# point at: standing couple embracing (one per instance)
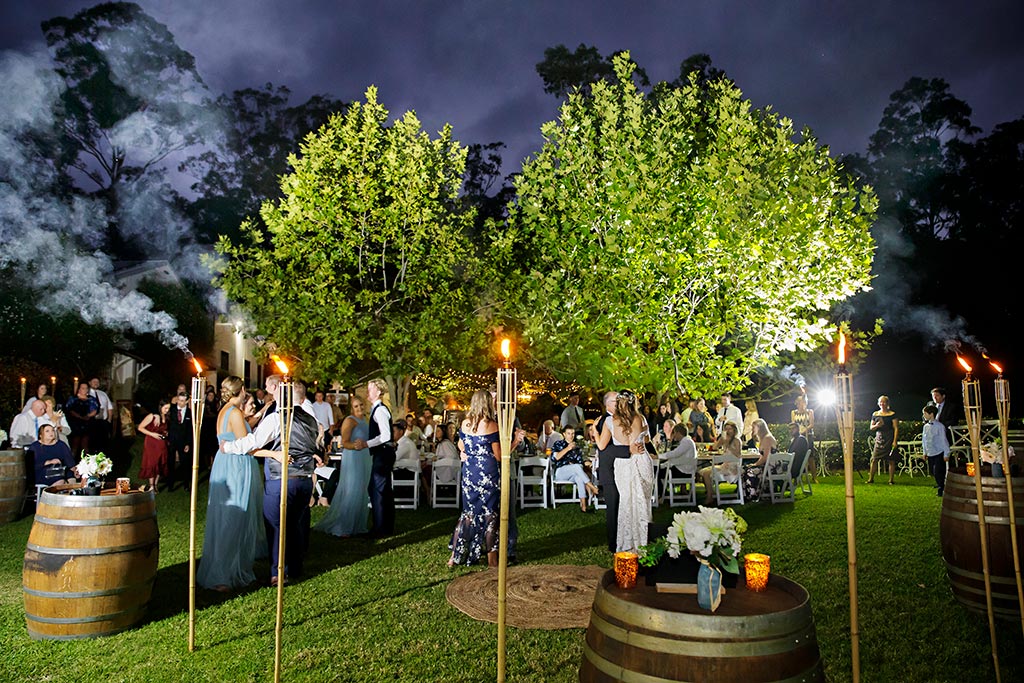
(625, 470)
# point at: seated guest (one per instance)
(728, 444)
(683, 455)
(56, 417)
(406, 448)
(25, 427)
(52, 457)
(547, 437)
(665, 438)
(427, 426)
(567, 466)
(413, 428)
(699, 417)
(766, 445)
(798, 447)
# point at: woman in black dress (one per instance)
(886, 427)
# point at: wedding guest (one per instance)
(548, 436)
(947, 413)
(799, 447)
(41, 391)
(804, 417)
(382, 448)
(322, 411)
(683, 456)
(728, 444)
(567, 466)
(25, 426)
(154, 448)
(886, 427)
(700, 417)
(935, 446)
(102, 425)
(208, 444)
(179, 443)
(56, 417)
(607, 453)
(81, 409)
(572, 415)
(348, 513)
(752, 474)
(476, 532)
(728, 412)
(51, 456)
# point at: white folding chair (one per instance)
(407, 490)
(446, 483)
(777, 478)
(676, 479)
(728, 462)
(599, 503)
(568, 487)
(801, 477)
(533, 472)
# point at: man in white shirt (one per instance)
(548, 436)
(572, 416)
(729, 412)
(322, 411)
(100, 427)
(382, 449)
(25, 427)
(106, 407)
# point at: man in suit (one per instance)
(606, 473)
(179, 443)
(946, 411)
(382, 448)
(799, 447)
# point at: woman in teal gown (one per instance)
(348, 515)
(235, 535)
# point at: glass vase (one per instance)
(709, 586)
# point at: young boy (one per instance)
(935, 446)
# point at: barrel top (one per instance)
(54, 495)
(782, 595)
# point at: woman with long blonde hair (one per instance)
(634, 474)
(234, 535)
(476, 532)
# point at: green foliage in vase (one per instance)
(367, 267)
(679, 242)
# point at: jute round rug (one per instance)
(545, 596)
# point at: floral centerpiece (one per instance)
(94, 467)
(713, 537)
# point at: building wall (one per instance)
(231, 351)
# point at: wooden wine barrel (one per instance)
(642, 635)
(89, 564)
(961, 544)
(12, 484)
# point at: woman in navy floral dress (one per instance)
(476, 532)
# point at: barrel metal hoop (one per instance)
(94, 522)
(704, 648)
(1007, 580)
(87, 594)
(989, 502)
(84, 620)
(13, 500)
(36, 635)
(989, 519)
(700, 625)
(92, 551)
(123, 500)
(618, 673)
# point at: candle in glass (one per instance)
(757, 566)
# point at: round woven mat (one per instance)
(545, 596)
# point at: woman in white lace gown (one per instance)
(634, 476)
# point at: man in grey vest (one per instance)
(304, 455)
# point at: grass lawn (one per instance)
(376, 611)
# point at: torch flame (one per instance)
(199, 368)
(996, 366)
(506, 349)
(842, 348)
(281, 365)
(964, 364)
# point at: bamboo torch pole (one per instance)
(972, 411)
(1003, 406)
(844, 421)
(197, 404)
(506, 423)
(286, 408)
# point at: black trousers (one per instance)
(382, 496)
(606, 478)
(937, 466)
(297, 540)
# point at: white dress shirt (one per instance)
(683, 457)
(323, 414)
(106, 407)
(383, 420)
(25, 429)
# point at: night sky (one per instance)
(827, 65)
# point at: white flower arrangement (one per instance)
(97, 465)
(713, 535)
(992, 452)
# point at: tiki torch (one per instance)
(285, 408)
(844, 420)
(1003, 406)
(506, 422)
(972, 411)
(196, 404)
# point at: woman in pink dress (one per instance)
(154, 449)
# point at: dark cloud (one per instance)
(827, 65)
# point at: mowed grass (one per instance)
(376, 611)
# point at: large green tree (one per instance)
(677, 243)
(367, 267)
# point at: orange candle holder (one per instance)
(627, 565)
(757, 567)
(970, 469)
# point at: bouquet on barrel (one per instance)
(713, 537)
(93, 468)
